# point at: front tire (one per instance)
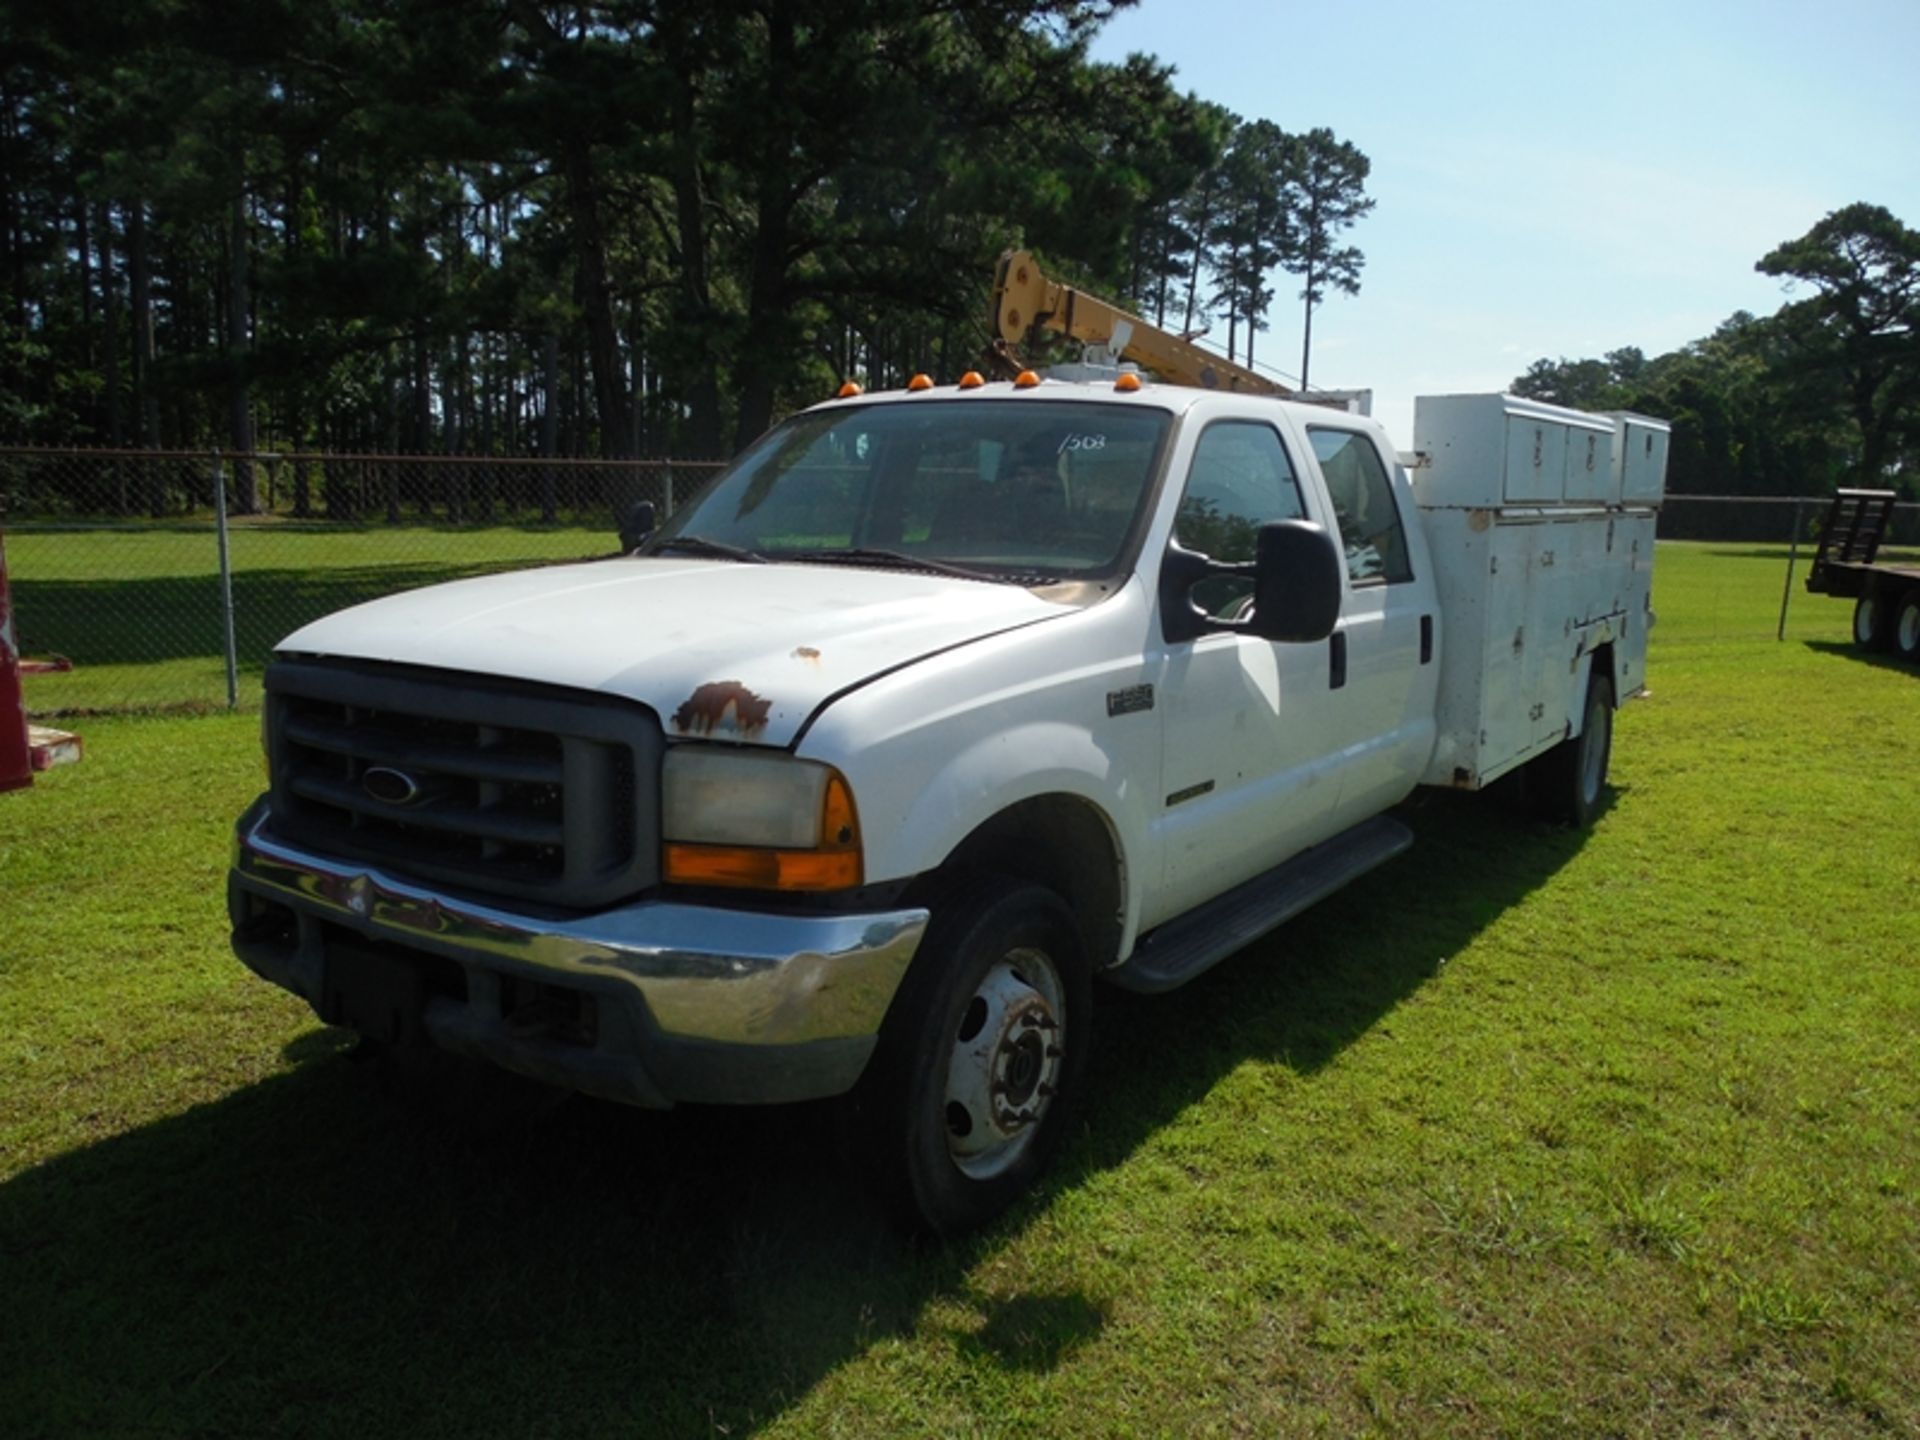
(973, 1087)
(1906, 626)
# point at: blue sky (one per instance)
(1557, 181)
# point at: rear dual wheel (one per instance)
(1872, 622)
(1906, 626)
(1567, 783)
(973, 1087)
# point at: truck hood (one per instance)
(717, 649)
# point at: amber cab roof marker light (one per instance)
(972, 380)
(1026, 380)
(849, 390)
(1128, 382)
(920, 382)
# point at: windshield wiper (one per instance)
(868, 555)
(700, 545)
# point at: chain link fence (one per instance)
(111, 486)
(1769, 520)
(1745, 578)
(164, 579)
(117, 556)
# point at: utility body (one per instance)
(933, 708)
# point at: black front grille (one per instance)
(499, 788)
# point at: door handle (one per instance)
(1337, 660)
(1426, 639)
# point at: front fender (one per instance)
(934, 752)
(979, 782)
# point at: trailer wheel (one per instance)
(1871, 622)
(978, 1071)
(1566, 784)
(1906, 626)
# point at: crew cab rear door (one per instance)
(1383, 655)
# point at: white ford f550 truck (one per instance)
(933, 708)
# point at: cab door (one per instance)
(1384, 653)
(1251, 750)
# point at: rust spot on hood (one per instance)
(807, 653)
(722, 705)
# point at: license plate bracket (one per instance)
(373, 991)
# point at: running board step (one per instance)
(1195, 942)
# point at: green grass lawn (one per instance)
(1527, 1133)
(139, 610)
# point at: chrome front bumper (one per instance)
(691, 1002)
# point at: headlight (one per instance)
(765, 822)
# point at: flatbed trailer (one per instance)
(1886, 610)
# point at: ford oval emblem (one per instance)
(390, 786)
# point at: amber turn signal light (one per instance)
(834, 863)
(739, 867)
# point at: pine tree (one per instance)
(1326, 188)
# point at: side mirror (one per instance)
(1296, 583)
(638, 525)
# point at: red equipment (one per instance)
(16, 755)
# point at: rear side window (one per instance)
(1363, 506)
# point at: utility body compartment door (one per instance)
(1536, 460)
(1512, 656)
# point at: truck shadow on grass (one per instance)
(1879, 659)
(301, 1256)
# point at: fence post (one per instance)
(1793, 553)
(668, 510)
(226, 582)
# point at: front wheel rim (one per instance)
(1003, 1073)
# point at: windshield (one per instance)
(1009, 489)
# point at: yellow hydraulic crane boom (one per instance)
(1023, 297)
